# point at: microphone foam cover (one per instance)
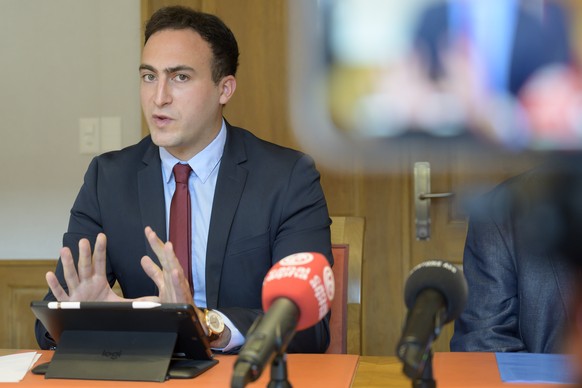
(307, 280)
(443, 277)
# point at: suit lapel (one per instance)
(229, 187)
(151, 197)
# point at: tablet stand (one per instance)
(120, 355)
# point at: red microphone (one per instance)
(307, 280)
(297, 293)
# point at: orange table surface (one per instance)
(304, 370)
(451, 370)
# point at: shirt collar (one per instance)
(203, 163)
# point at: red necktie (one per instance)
(180, 220)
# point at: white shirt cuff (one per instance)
(236, 338)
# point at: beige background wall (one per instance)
(61, 60)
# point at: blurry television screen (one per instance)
(498, 72)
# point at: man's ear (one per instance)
(227, 87)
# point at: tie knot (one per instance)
(182, 172)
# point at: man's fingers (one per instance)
(164, 251)
(172, 262)
(56, 287)
(87, 280)
(156, 244)
(100, 255)
(181, 287)
(84, 265)
(153, 271)
(171, 284)
(169, 279)
(69, 270)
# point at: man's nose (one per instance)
(163, 95)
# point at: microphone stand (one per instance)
(279, 372)
(426, 379)
(279, 364)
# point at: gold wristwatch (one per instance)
(214, 323)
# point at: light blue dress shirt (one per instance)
(202, 182)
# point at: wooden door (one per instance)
(465, 172)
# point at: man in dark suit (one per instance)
(253, 202)
(519, 285)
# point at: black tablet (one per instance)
(140, 341)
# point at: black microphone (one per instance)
(435, 294)
(297, 293)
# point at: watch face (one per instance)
(214, 322)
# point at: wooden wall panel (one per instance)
(260, 103)
(21, 324)
(383, 265)
(21, 281)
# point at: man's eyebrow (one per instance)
(175, 69)
(168, 70)
(147, 67)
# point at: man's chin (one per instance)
(162, 141)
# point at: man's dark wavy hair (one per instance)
(213, 30)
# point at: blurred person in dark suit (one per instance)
(518, 294)
(520, 287)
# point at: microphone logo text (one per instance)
(320, 294)
(301, 273)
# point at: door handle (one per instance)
(422, 198)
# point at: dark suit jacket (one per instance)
(537, 42)
(519, 285)
(268, 204)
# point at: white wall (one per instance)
(60, 60)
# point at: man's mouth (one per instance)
(161, 120)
